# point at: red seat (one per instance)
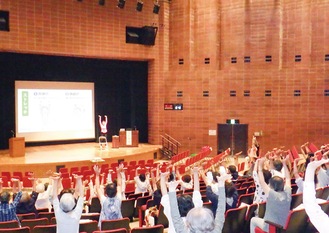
(7, 174)
(5, 181)
(27, 183)
(16, 230)
(18, 174)
(154, 229)
(73, 170)
(63, 170)
(67, 183)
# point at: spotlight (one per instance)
(139, 6)
(101, 2)
(156, 8)
(121, 4)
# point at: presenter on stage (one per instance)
(103, 125)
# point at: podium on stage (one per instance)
(129, 138)
(115, 141)
(17, 147)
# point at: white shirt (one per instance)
(197, 201)
(68, 222)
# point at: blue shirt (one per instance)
(8, 211)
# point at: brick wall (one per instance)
(253, 47)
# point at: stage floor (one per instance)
(43, 158)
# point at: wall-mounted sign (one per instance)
(171, 106)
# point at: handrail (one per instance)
(170, 145)
(168, 141)
(173, 139)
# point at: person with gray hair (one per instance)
(67, 211)
(199, 219)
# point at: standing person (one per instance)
(103, 128)
(8, 210)
(103, 125)
(255, 143)
(67, 211)
(278, 198)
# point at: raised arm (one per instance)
(175, 216)
(79, 188)
(99, 191)
(196, 181)
(295, 169)
(55, 180)
(221, 206)
(286, 170)
(262, 182)
(99, 120)
(154, 185)
(318, 218)
(119, 180)
(163, 185)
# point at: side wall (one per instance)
(230, 33)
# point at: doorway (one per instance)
(234, 136)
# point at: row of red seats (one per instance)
(179, 157)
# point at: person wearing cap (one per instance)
(67, 211)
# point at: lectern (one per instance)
(129, 138)
(17, 147)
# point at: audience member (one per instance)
(142, 182)
(260, 195)
(27, 202)
(67, 210)
(231, 194)
(199, 219)
(186, 202)
(44, 191)
(111, 199)
(7, 209)
(278, 201)
(185, 181)
(319, 219)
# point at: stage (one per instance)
(40, 159)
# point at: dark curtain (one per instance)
(120, 88)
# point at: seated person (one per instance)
(278, 201)
(7, 209)
(231, 193)
(231, 169)
(142, 182)
(187, 202)
(43, 201)
(318, 218)
(185, 181)
(67, 210)
(27, 203)
(199, 219)
(260, 195)
(111, 199)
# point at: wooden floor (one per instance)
(40, 159)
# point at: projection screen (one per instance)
(54, 111)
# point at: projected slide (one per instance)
(49, 111)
